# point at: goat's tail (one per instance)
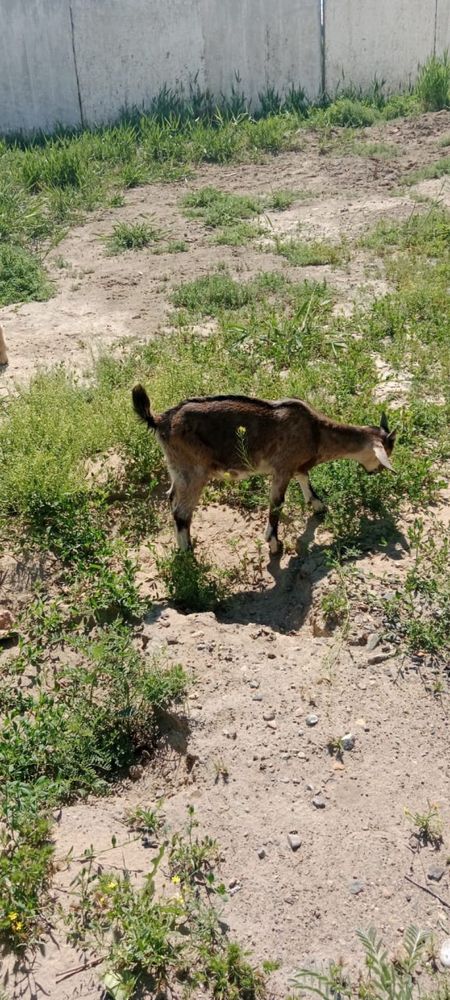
(141, 405)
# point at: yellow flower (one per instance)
(12, 916)
(18, 926)
(241, 430)
(112, 885)
(176, 879)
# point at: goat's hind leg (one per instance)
(310, 494)
(277, 495)
(184, 494)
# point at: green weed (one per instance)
(211, 294)
(191, 583)
(132, 236)
(311, 253)
(428, 825)
(22, 277)
(433, 84)
(385, 978)
(432, 171)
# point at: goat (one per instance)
(3, 354)
(203, 438)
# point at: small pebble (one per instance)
(372, 641)
(319, 802)
(444, 953)
(312, 720)
(356, 887)
(261, 853)
(294, 841)
(348, 741)
(135, 772)
(435, 874)
(268, 714)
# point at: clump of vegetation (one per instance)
(428, 825)
(228, 212)
(70, 734)
(420, 611)
(191, 582)
(22, 277)
(433, 84)
(132, 236)
(311, 253)
(154, 941)
(211, 294)
(385, 977)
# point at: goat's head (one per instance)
(381, 440)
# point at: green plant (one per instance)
(132, 236)
(312, 253)
(210, 294)
(146, 821)
(433, 83)
(191, 583)
(22, 277)
(384, 980)
(428, 825)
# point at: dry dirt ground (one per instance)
(244, 755)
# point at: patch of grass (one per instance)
(427, 232)
(310, 253)
(210, 294)
(433, 84)
(176, 246)
(382, 150)
(346, 112)
(385, 976)
(158, 941)
(420, 611)
(70, 734)
(132, 236)
(428, 825)
(228, 212)
(238, 235)
(22, 277)
(432, 171)
(191, 583)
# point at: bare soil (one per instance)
(244, 755)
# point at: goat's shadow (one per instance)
(285, 606)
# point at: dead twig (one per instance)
(429, 891)
(78, 968)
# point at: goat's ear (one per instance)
(384, 423)
(382, 456)
(392, 436)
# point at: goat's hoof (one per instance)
(274, 546)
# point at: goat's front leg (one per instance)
(310, 494)
(277, 495)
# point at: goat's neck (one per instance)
(340, 441)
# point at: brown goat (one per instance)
(3, 354)
(206, 437)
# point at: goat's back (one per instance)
(239, 433)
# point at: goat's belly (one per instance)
(262, 469)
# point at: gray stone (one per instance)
(436, 873)
(372, 641)
(356, 887)
(268, 714)
(312, 720)
(444, 953)
(294, 841)
(319, 802)
(261, 853)
(348, 741)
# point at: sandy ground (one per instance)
(244, 754)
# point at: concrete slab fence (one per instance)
(82, 62)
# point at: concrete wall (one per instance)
(442, 27)
(83, 61)
(38, 85)
(272, 43)
(386, 39)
